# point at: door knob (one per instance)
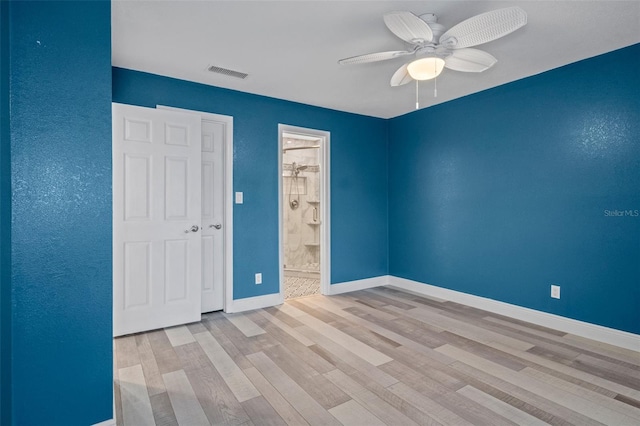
(217, 226)
(194, 228)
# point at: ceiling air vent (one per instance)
(225, 71)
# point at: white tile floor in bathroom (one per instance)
(300, 287)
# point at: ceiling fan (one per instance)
(433, 48)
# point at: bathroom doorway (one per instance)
(303, 189)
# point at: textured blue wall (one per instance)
(502, 193)
(61, 231)
(358, 175)
(5, 221)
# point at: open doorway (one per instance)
(304, 212)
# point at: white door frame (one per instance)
(325, 204)
(228, 197)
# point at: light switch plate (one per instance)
(259, 278)
(239, 197)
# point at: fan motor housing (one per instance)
(432, 20)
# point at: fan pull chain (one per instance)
(417, 98)
(435, 87)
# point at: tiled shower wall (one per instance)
(301, 236)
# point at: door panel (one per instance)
(157, 202)
(216, 134)
(176, 265)
(207, 189)
(207, 271)
(137, 173)
(213, 134)
(176, 189)
(137, 274)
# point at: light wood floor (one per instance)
(372, 357)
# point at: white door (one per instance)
(213, 142)
(156, 222)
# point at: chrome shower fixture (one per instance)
(297, 169)
(294, 203)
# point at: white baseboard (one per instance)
(257, 302)
(356, 285)
(110, 422)
(556, 322)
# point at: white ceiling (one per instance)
(290, 49)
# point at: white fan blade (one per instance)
(408, 27)
(374, 57)
(484, 28)
(469, 60)
(401, 76)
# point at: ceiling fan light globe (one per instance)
(425, 68)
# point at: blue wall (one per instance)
(358, 175)
(61, 231)
(498, 194)
(502, 193)
(5, 221)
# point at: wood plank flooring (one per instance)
(373, 357)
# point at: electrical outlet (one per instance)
(555, 291)
(259, 278)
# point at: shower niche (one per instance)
(301, 178)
